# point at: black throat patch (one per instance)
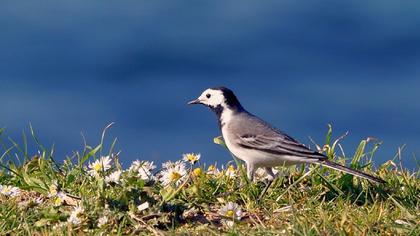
(231, 103)
(218, 110)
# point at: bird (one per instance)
(259, 144)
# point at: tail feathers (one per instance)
(348, 170)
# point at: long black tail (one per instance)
(348, 170)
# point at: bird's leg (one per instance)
(250, 170)
(270, 179)
(271, 176)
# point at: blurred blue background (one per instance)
(75, 66)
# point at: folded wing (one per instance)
(280, 144)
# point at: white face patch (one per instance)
(212, 98)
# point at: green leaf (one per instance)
(329, 184)
(90, 154)
(329, 135)
(171, 192)
(167, 193)
(70, 179)
(42, 222)
(358, 154)
(35, 183)
(219, 140)
(103, 137)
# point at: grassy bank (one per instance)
(90, 193)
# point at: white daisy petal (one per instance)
(173, 173)
(231, 210)
(231, 172)
(114, 177)
(102, 221)
(143, 169)
(192, 158)
(9, 190)
(99, 166)
(74, 218)
(213, 170)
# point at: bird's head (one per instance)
(218, 98)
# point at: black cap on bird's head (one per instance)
(218, 98)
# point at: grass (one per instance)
(74, 198)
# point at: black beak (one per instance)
(196, 101)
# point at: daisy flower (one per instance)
(74, 218)
(53, 189)
(114, 177)
(168, 164)
(135, 166)
(231, 210)
(99, 166)
(102, 221)
(143, 169)
(192, 158)
(9, 190)
(231, 172)
(59, 199)
(173, 173)
(212, 170)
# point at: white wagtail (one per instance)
(259, 144)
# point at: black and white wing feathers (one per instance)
(280, 145)
(256, 134)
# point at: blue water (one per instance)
(74, 67)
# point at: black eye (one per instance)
(208, 95)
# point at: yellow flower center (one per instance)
(211, 168)
(197, 172)
(192, 157)
(174, 176)
(97, 166)
(231, 169)
(230, 213)
(58, 201)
